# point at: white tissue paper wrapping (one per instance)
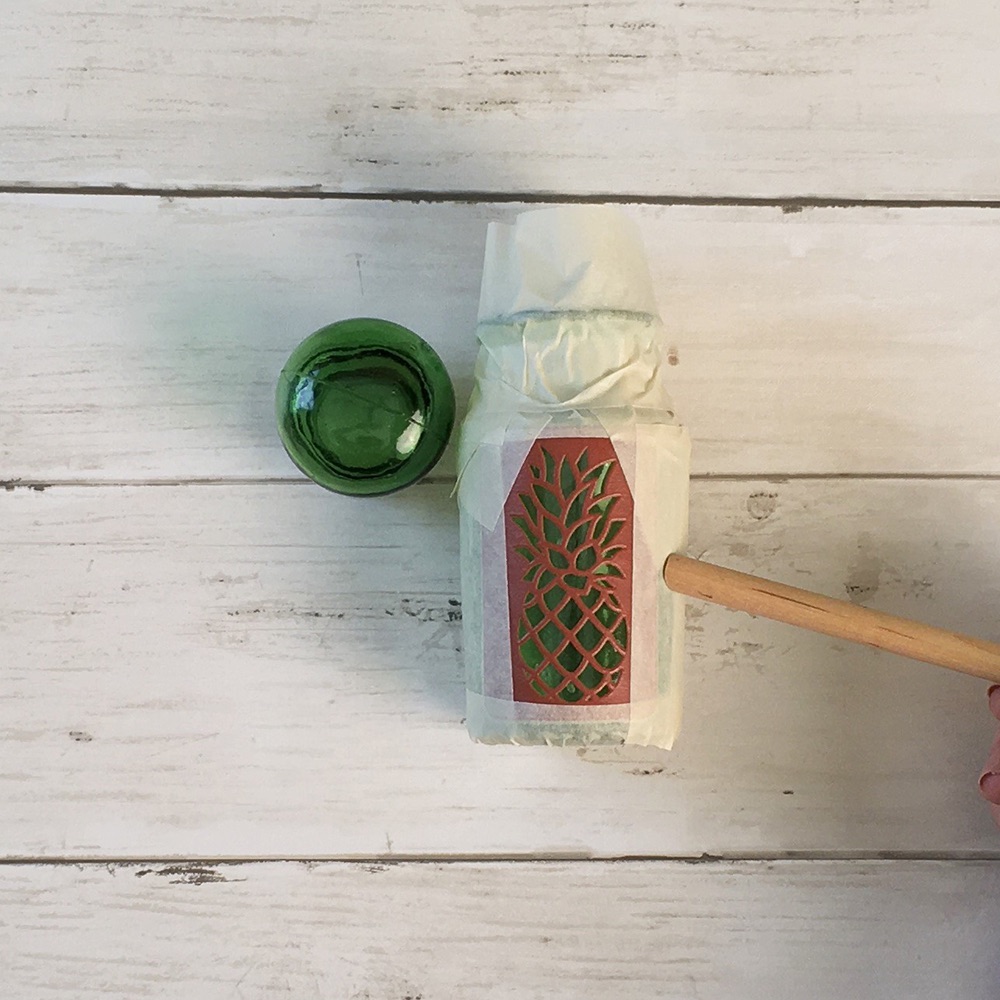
(571, 346)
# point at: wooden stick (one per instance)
(756, 596)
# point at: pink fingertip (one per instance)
(989, 785)
(994, 696)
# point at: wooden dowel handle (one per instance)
(756, 596)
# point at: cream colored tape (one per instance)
(570, 368)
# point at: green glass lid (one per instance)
(364, 407)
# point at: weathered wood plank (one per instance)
(756, 930)
(778, 98)
(274, 671)
(141, 337)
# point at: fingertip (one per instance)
(989, 787)
(994, 696)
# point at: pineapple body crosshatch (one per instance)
(568, 521)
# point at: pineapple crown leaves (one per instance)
(567, 522)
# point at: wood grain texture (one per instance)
(775, 98)
(273, 671)
(142, 337)
(813, 931)
(263, 670)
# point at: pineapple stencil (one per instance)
(569, 574)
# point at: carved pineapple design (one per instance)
(569, 573)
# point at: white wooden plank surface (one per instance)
(141, 337)
(272, 671)
(263, 670)
(799, 931)
(891, 98)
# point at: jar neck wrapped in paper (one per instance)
(580, 369)
(571, 361)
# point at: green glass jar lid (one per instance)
(364, 407)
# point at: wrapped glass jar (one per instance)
(573, 491)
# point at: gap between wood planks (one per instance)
(787, 205)
(749, 857)
(776, 478)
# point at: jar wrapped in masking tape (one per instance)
(573, 490)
